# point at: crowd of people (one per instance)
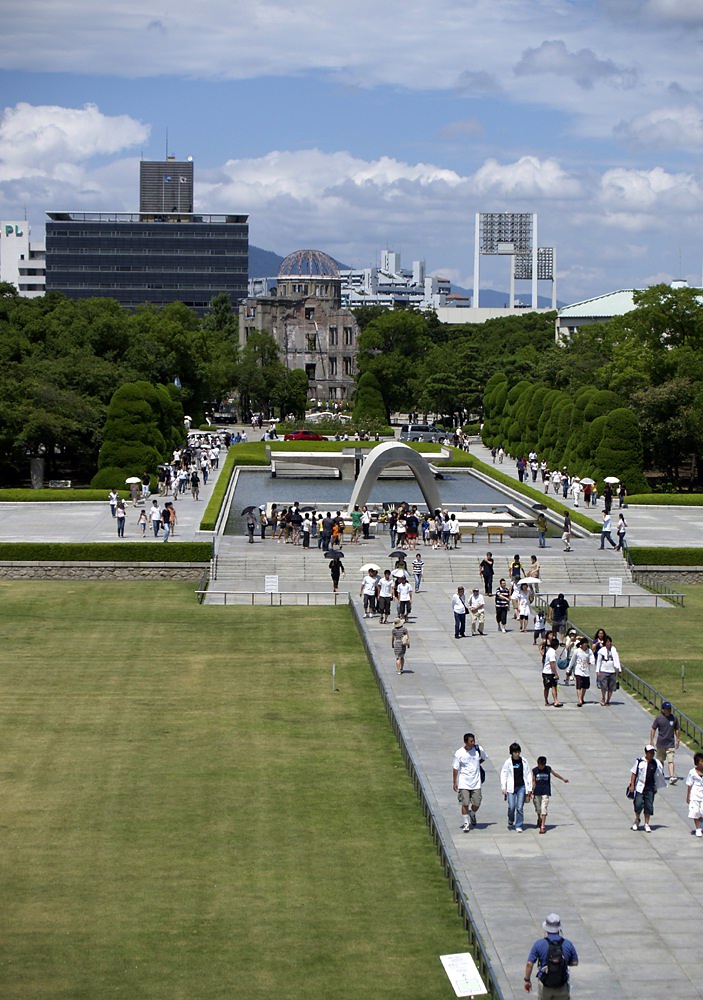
(532, 469)
(190, 466)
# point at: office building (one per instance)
(22, 263)
(157, 255)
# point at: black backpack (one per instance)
(554, 972)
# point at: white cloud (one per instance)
(656, 189)
(49, 141)
(528, 177)
(583, 67)
(665, 128)
(685, 12)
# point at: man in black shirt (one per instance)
(559, 613)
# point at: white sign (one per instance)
(463, 975)
(270, 584)
(615, 585)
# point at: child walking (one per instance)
(542, 775)
(694, 793)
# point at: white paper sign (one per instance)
(615, 585)
(463, 975)
(270, 584)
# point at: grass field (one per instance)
(655, 642)
(189, 811)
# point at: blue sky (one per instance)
(354, 128)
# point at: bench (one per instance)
(495, 531)
(467, 531)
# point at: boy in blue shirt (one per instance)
(542, 784)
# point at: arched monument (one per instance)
(395, 453)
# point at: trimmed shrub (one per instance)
(646, 556)
(658, 500)
(143, 551)
(47, 495)
(369, 405)
(620, 450)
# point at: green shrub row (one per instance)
(667, 499)
(250, 453)
(589, 431)
(54, 496)
(647, 556)
(176, 552)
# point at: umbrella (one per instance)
(334, 554)
(529, 580)
(588, 482)
(186, 417)
(611, 479)
(367, 566)
(133, 479)
(539, 506)
(249, 510)
(397, 553)
(399, 572)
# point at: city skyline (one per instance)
(371, 128)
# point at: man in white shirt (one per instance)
(459, 608)
(466, 780)
(405, 598)
(385, 596)
(607, 669)
(368, 590)
(477, 610)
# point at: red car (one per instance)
(304, 436)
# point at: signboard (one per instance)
(270, 584)
(463, 975)
(615, 585)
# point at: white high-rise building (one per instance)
(22, 263)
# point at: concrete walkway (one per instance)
(630, 901)
(658, 526)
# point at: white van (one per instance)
(420, 432)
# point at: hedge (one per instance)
(248, 454)
(54, 496)
(667, 499)
(647, 556)
(176, 552)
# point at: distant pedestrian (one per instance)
(251, 527)
(477, 611)
(466, 780)
(369, 585)
(608, 669)
(460, 609)
(516, 785)
(538, 627)
(121, 517)
(605, 529)
(524, 606)
(336, 570)
(400, 641)
(554, 955)
(694, 793)
(541, 525)
(195, 485)
(155, 518)
(384, 598)
(113, 499)
(566, 531)
(621, 530)
(502, 605)
(559, 613)
(646, 778)
(418, 568)
(142, 522)
(665, 735)
(582, 660)
(487, 568)
(550, 673)
(166, 519)
(542, 777)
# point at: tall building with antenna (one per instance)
(164, 253)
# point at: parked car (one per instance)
(304, 436)
(420, 432)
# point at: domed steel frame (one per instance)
(308, 264)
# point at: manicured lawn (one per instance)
(655, 642)
(189, 810)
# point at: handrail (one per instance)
(651, 696)
(482, 960)
(618, 600)
(275, 598)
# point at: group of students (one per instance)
(577, 656)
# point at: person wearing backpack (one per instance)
(554, 955)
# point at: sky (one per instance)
(354, 128)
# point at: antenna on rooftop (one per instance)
(167, 142)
